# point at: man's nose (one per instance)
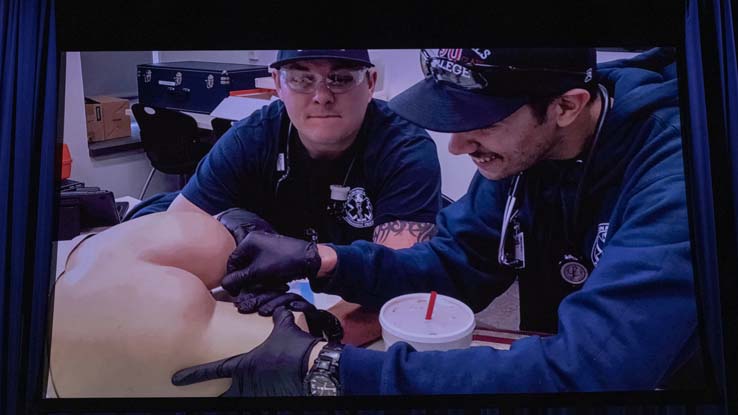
(461, 143)
(322, 94)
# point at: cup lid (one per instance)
(404, 318)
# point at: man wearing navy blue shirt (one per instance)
(326, 130)
(580, 196)
(325, 163)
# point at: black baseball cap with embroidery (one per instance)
(468, 89)
(353, 55)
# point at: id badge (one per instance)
(519, 245)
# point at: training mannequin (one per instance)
(133, 306)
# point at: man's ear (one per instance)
(371, 80)
(275, 78)
(570, 105)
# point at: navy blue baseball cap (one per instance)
(469, 89)
(354, 55)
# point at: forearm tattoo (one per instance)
(421, 231)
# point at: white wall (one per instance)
(124, 174)
(253, 57)
(112, 73)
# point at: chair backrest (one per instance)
(170, 139)
(220, 126)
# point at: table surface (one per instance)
(203, 120)
(500, 339)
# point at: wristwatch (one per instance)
(322, 378)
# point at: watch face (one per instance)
(321, 385)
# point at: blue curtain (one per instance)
(712, 83)
(28, 127)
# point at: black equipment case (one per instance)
(193, 86)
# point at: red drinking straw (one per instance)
(431, 304)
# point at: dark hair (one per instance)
(539, 104)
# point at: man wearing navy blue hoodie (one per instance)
(580, 195)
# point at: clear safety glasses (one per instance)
(338, 81)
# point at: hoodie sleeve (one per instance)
(456, 262)
(630, 325)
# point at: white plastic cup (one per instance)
(403, 319)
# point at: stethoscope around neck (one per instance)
(339, 193)
(511, 251)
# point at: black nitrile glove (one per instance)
(265, 300)
(276, 367)
(320, 323)
(240, 222)
(264, 259)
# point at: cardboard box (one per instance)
(106, 118)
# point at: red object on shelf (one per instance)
(66, 165)
(264, 93)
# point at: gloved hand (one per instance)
(240, 222)
(263, 259)
(320, 323)
(266, 299)
(276, 367)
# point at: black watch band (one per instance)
(322, 379)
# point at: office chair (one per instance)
(171, 141)
(220, 126)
